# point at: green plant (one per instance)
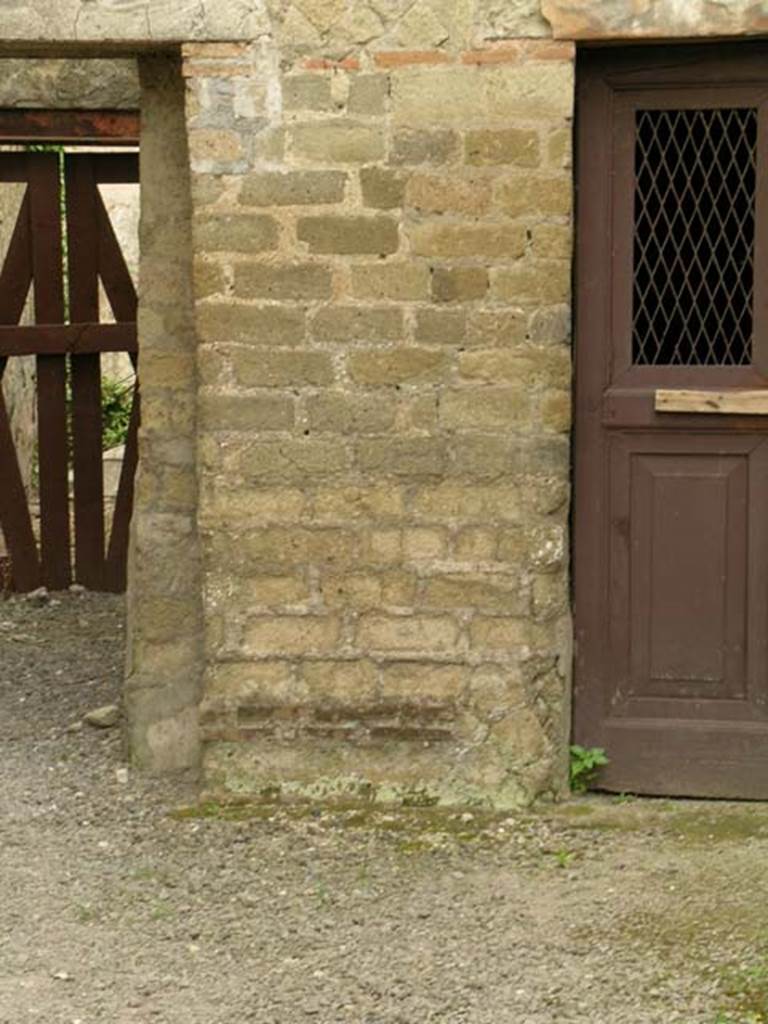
(564, 858)
(116, 402)
(585, 764)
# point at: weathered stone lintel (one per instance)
(36, 22)
(662, 19)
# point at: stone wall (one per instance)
(362, 412)
(165, 627)
(382, 229)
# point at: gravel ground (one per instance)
(121, 902)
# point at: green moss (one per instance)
(718, 825)
(412, 828)
(745, 992)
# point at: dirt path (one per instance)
(116, 907)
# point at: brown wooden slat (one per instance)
(118, 127)
(115, 276)
(113, 168)
(16, 274)
(117, 555)
(13, 167)
(51, 372)
(86, 377)
(63, 339)
(15, 520)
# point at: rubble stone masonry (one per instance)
(382, 234)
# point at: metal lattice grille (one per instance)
(694, 237)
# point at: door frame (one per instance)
(601, 74)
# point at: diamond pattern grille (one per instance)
(694, 237)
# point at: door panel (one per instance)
(671, 510)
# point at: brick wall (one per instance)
(383, 239)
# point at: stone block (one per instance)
(290, 636)
(368, 95)
(550, 597)
(430, 193)
(417, 681)
(424, 147)
(440, 327)
(344, 324)
(543, 281)
(490, 408)
(269, 368)
(458, 97)
(459, 284)
(265, 680)
(238, 232)
(382, 188)
(475, 544)
(244, 503)
(499, 634)
(555, 411)
(340, 412)
(209, 279)
(560, 148)
(265, 590)
(535, 196)
(491, 593)
(358, 503)
(293, 188)
(172, 369)
(208, 188)
(349, 682)
(237, 323)
(422, 543)
(550, 325)
(463, 503)
(491, 241)
(517, 146)
(402, 457)
(338, 142)
(307, 92)
(216, 151)
(529, 365)
(293, 461)
(507, 328)
(246, 412)
(300, 282)
(398, 366)
(417, 633)
(541, 547)
(399, 282)
(552, 241)
(287, 546)
(375, 236)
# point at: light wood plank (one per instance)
(734, 402)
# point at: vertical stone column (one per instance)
(164, 590)
(382, 295)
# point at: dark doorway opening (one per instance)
(67, 301)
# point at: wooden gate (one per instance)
(62, 261)
(671, 495)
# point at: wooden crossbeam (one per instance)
(67, 339)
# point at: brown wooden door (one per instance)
(75, 541)
(671, 442)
